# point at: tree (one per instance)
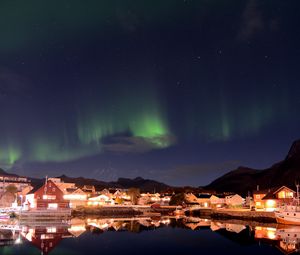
(11, 188)
(134, 194)
(178, 199)
(119, 200)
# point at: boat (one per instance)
(289, 214)
(289, 238)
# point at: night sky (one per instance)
(180, 91)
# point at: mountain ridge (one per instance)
(245, 179)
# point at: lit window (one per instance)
(46, 236)
(49, 197)
(281, 194)
(258, 203)
(51, 229)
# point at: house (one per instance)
(217, 201)
(165, 200)
(144, 200)
(49, 196)
(121, 194)
(89, 189)
(18, 181)
(100, 200)
(276, 197)
(258, 195)
(191, 199)
(203, 199)
(76, 196)
(63, 186)
(272, 198)
(105, 192)
(234, 200)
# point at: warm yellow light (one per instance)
(77, 228)
(270, 205)
(281, 194)
(49, 197)
(75, 197)
(271, 234)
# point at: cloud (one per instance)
(137, 144)
(252, 21)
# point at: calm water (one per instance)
(149, 236)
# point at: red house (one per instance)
(49, 196)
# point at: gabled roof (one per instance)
(34, 189)
(273, 190)
(71, 190)
(219, 195)
(88, 187)
(283, 187)
(269, 195)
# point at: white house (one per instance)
(234, 200)
(217, 200)
(100, 200)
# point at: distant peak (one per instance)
(294, 151)
(138, 179)
(63, 176)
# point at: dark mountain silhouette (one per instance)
(144, 185)
(245, 179)
(4, 173)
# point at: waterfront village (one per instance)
(47, 213)
(18, 194)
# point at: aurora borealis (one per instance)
(157, 89)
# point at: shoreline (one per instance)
(257, 216)
(120, 211)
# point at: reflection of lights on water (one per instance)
(271, 234)
(77, 228)
(166, 221)
(18, 240)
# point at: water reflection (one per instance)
(47, 235)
